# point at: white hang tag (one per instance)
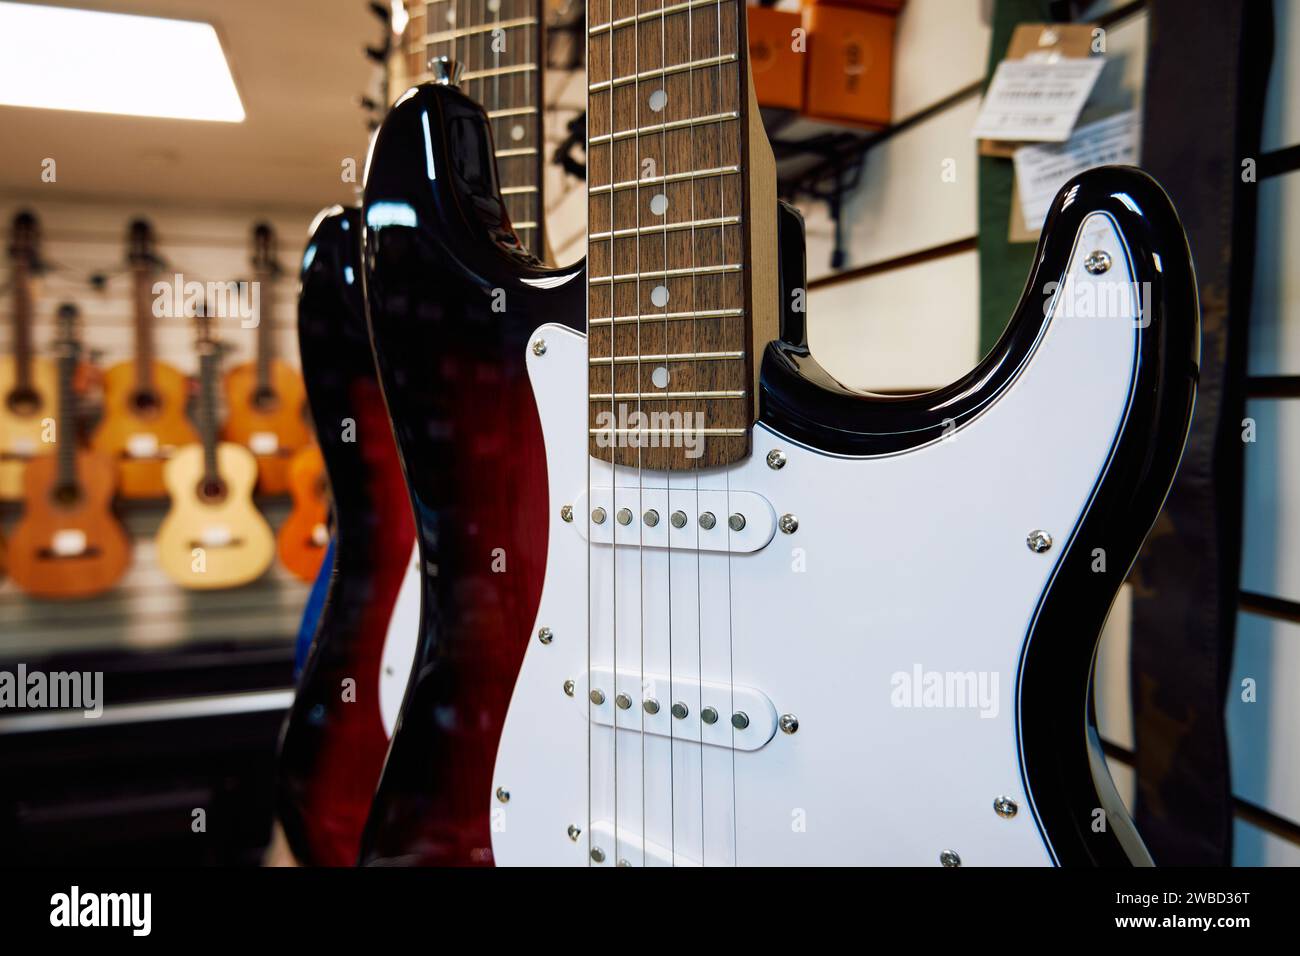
(1037, 100)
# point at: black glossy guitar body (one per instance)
(334, 742)
(453, 299)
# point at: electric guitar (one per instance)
(144, 399)
(444, 43)
(265, 397)
(28, 383)
(305, 535)
(212, 535)
(68, 544)
(335, 741)
(689, 599)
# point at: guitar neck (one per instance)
(681, 231)
(65, 438)
(141, 277)
(265, 329)
(502, 53)
(22, 319)
(209, 370)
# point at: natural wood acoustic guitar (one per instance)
(213, 536)
(144, 399)
(68, 543)
(266, 398)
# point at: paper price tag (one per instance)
(1037, 100)
(1042, 170)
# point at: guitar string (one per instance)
(668, 496)
(640, 450)
(613, 456)
(695, 466)
(722, 254)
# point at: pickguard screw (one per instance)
(503, 794)
(740, 720)
(574, 833)
(678, 519)
(707, 521)
(597, 697)
(709, 715)
(736, 522)
(622, 862)
(624, 516)
(1098, 261)
(566, 513)
(539, 347)
(1005, 807)
(569, 688)
(789, 723)
(949, 858)
(623, 701)
(1038, 541)
(651, 518)
(789, 524)
(598, 515)
(650, 705)
(598, 854)
(680, 710)
(546, 635)
(776, 459)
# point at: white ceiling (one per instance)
(299, 69)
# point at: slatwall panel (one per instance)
(146, 610)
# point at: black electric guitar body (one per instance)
(453, 298)
(334, 740)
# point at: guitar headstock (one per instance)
(141, 250)
(265, 253)
(25, 238)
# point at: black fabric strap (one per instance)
(1207, 68)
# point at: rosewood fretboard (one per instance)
(671, 240)
(499, 44)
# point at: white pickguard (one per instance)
(915, 560)
(399, 644)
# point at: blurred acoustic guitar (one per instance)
(68, 543)
(265, 398)
(27, 383)
(144, 399)
(305, 534)
(212, 536)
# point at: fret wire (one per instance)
(499, 71)
(464, 32)
(663, 71)
(667, 178)
(667, 227)
(517, 151)
(664, 127)
(665, 396)
(668, 316)
(726, 269)
(650, 15)
(674, 357)
(706, 432)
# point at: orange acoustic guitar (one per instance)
(305, 534)
(68, 543)
(144, 400)
(265, 398)
(27, 382)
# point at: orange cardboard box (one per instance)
(777, 68)
(885, 6)
(850, 64)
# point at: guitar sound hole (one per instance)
(265, 400)
(23, 401)
(145, 403)
(212, 490)
(66, 496)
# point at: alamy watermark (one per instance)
(179, 298)
(946, 690)
(24, 689)
(1098, 299)
(630, 427)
